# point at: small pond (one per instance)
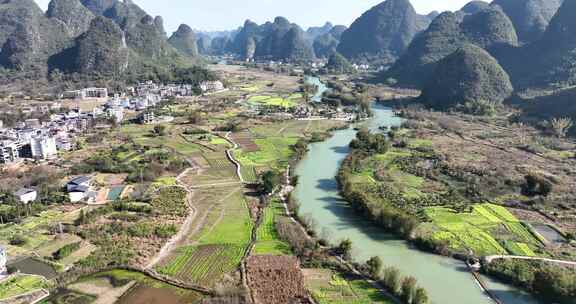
(549, 233)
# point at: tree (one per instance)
(374, 266)
(420, 296)
(270, 180)
(408, 289)
(308, 91)
(561, 126)
(391, 279)
(159, 130)
(345, 249)
(195, 117)
(537, 185)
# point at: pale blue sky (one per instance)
(229, 14)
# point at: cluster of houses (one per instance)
(33, 139)
(174, 90)
(36, 140)
(306, 112)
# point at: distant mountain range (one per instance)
(532, 41)
(100, 37)
(529, 43)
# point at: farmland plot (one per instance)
(268, 240)
(203, 264)
(488, 229)
(275, 279)
(328, 287)
(223, 230)
(245, 141)
(211, 176)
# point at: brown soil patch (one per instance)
(276, 280)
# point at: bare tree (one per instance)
(561, 126)
(522, 134)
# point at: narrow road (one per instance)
(491, 258)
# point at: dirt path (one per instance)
(215, 185)
(490, 259)
(230, 155)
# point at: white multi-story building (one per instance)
(117, 113)
(211, 86)
(9, 152)
(86, 93)
(63, 143)
(43, 147)
(33, 123)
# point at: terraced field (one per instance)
(218, 160)
(246, 141)
(21, 284)
(211, 176)
(249, 174)
(488, 229)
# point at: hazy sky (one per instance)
(229, 14)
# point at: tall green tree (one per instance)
(391, 279)
(374, 266)
(420, 296)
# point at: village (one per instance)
(93, 154)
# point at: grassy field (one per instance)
(268, 241)
(21, 284)
(328, 287)
(488, 229)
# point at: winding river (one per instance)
(446, 280)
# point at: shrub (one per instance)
(142, 229)
(165, 231)
(66, 251)
(18, 240)
(537, 185)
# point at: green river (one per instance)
(446, 280)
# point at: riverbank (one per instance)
(317, 192)
(417, 188)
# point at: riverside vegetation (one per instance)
(466, 202)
